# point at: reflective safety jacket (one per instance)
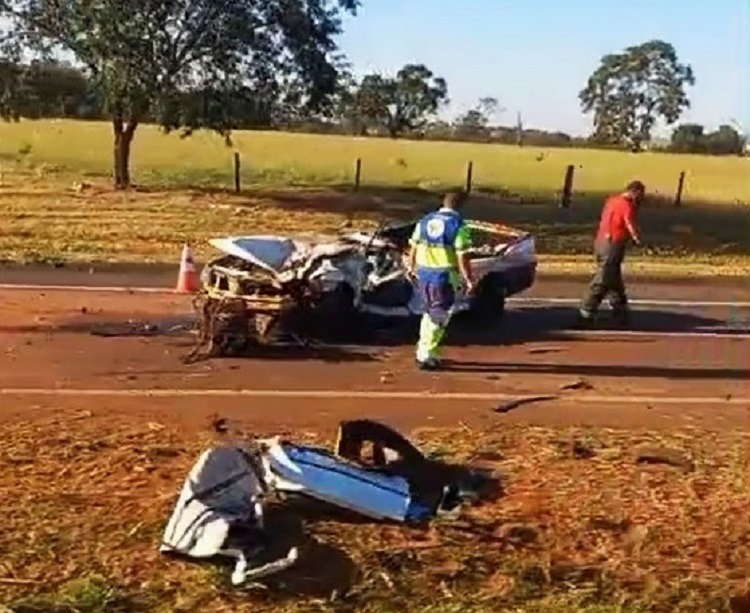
(440, 238)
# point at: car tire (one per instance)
(336, 310)
(489, 303)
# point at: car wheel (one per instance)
(336, 310)
(489, 302)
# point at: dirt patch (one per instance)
(91, 496)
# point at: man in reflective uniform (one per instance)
(618, 225)
(437, 259)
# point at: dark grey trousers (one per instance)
(607, 281)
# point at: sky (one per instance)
(534, 56)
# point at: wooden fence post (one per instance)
(357, 174)
(237, 175)
(567, 188)
(680, 185)
(469, 176)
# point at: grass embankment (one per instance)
(580, 527)
(55, 204)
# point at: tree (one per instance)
(476, 120)
(630, 91)
(48, 89)
(145, 58)
(725, 141)
(691, 138)
(400, 104)
(489, 107)
(472, 122)
(688, 138)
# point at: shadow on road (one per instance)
(518, 325)
(360, 341)
(602, 370)
(535, 324)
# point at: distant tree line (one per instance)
(403, 106)
(692, 138)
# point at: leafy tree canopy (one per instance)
(145, 57)
(692, 138)
(631, 90)
(476, 120)
(399, 104)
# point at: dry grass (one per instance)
(581, 527)
(44, 218)
(56, 206)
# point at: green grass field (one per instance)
(296, 182)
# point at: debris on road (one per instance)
(515, 404)
(220, 511)
(648, 454)
(220, 425)
(544, 350)
(580, 384)
(131, 328)
(134, 327)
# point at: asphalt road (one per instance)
(732, 289)
(686, 362)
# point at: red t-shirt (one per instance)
(617, 210)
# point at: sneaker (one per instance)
(429, 364)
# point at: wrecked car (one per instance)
(262, 279)
(221, 509)
(366, 272)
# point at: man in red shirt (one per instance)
(617, 226)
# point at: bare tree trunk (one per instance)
(123, 133)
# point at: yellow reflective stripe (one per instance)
(415, 236)
(463, 239)
(435, 256)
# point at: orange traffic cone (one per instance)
(187, 280)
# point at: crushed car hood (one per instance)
(276, 254)
(272, 253)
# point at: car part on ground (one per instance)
(221, 508)
(266, 284)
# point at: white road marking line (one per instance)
(744, 334)
(367, 395)
(518, 300)
(87, 288)
(673, 303)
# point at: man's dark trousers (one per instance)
(607, 281)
